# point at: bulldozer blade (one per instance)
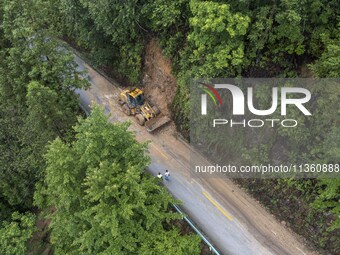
(156, 122)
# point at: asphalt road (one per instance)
(234, 222)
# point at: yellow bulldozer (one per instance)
(134, 103)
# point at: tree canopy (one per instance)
(37, 79)
(15, 233)
(104, 202)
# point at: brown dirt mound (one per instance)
(158, 81)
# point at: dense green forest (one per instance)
(249, 38)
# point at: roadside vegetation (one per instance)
(41, 164)
(103, 200)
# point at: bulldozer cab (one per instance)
(135, 97)
(148, 115)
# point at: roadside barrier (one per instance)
(211, 247)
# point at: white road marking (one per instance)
(300, 251)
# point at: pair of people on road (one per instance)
(166, 175)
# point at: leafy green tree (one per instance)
(215, 48)
(31, 113)
(160, 15)
(78, 26)
(329, 189)
(110, 30)
(118, 19)
(48, 112)
(104, 201)
(284, 34)
(17, 174)
(14, 234)
(35, 53)
(328, 65)
(328, 199)
(216, 39)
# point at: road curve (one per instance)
(230, 218)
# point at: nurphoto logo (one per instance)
(288, 96)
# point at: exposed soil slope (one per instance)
(158, 81)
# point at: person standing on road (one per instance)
(166, 175)
(159, 176)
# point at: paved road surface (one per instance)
(231, 219)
